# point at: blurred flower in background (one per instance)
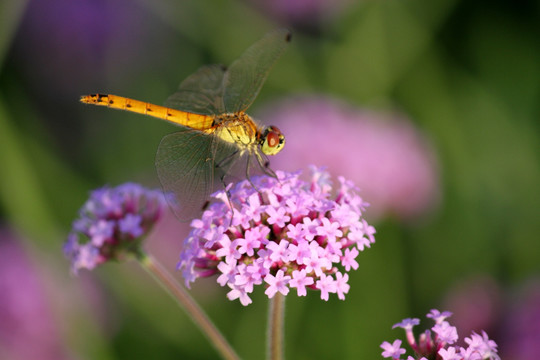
(477, 303)
(27, 326)
(304, 14)
(520, 330)
(513, 317)
(63, 44)
(67, 48)
(390, 161)
(59, 39)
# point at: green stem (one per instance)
(185, 301)
(276, 327)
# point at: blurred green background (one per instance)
(467, 73)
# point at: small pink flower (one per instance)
(277, 283)
(327, 285)
(300, 280)
(393, 350)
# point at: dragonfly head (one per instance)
(272, 141)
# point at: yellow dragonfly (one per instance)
(215, 131)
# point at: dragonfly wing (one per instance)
(246, 75)
(187, 163)
(201, 92)
(185, 169)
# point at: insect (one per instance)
(214, 129)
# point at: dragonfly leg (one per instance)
(223, 163)
(264, 164)
(248, 177)
(228, 195)
(265, 169)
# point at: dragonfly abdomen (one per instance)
(195, 121)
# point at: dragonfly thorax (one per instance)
(237, 128)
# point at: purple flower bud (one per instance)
(113, 221)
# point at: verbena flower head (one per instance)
(111, 223)
(440, 345)
(285, 233)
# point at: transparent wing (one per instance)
(186, 163)
(201, 92)
(246, 75)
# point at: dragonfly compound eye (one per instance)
(273, 141)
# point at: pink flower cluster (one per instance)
(480, 347)
(284, 233)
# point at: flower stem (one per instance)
(276, 327)
(185, 301)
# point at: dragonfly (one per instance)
(214, 132)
